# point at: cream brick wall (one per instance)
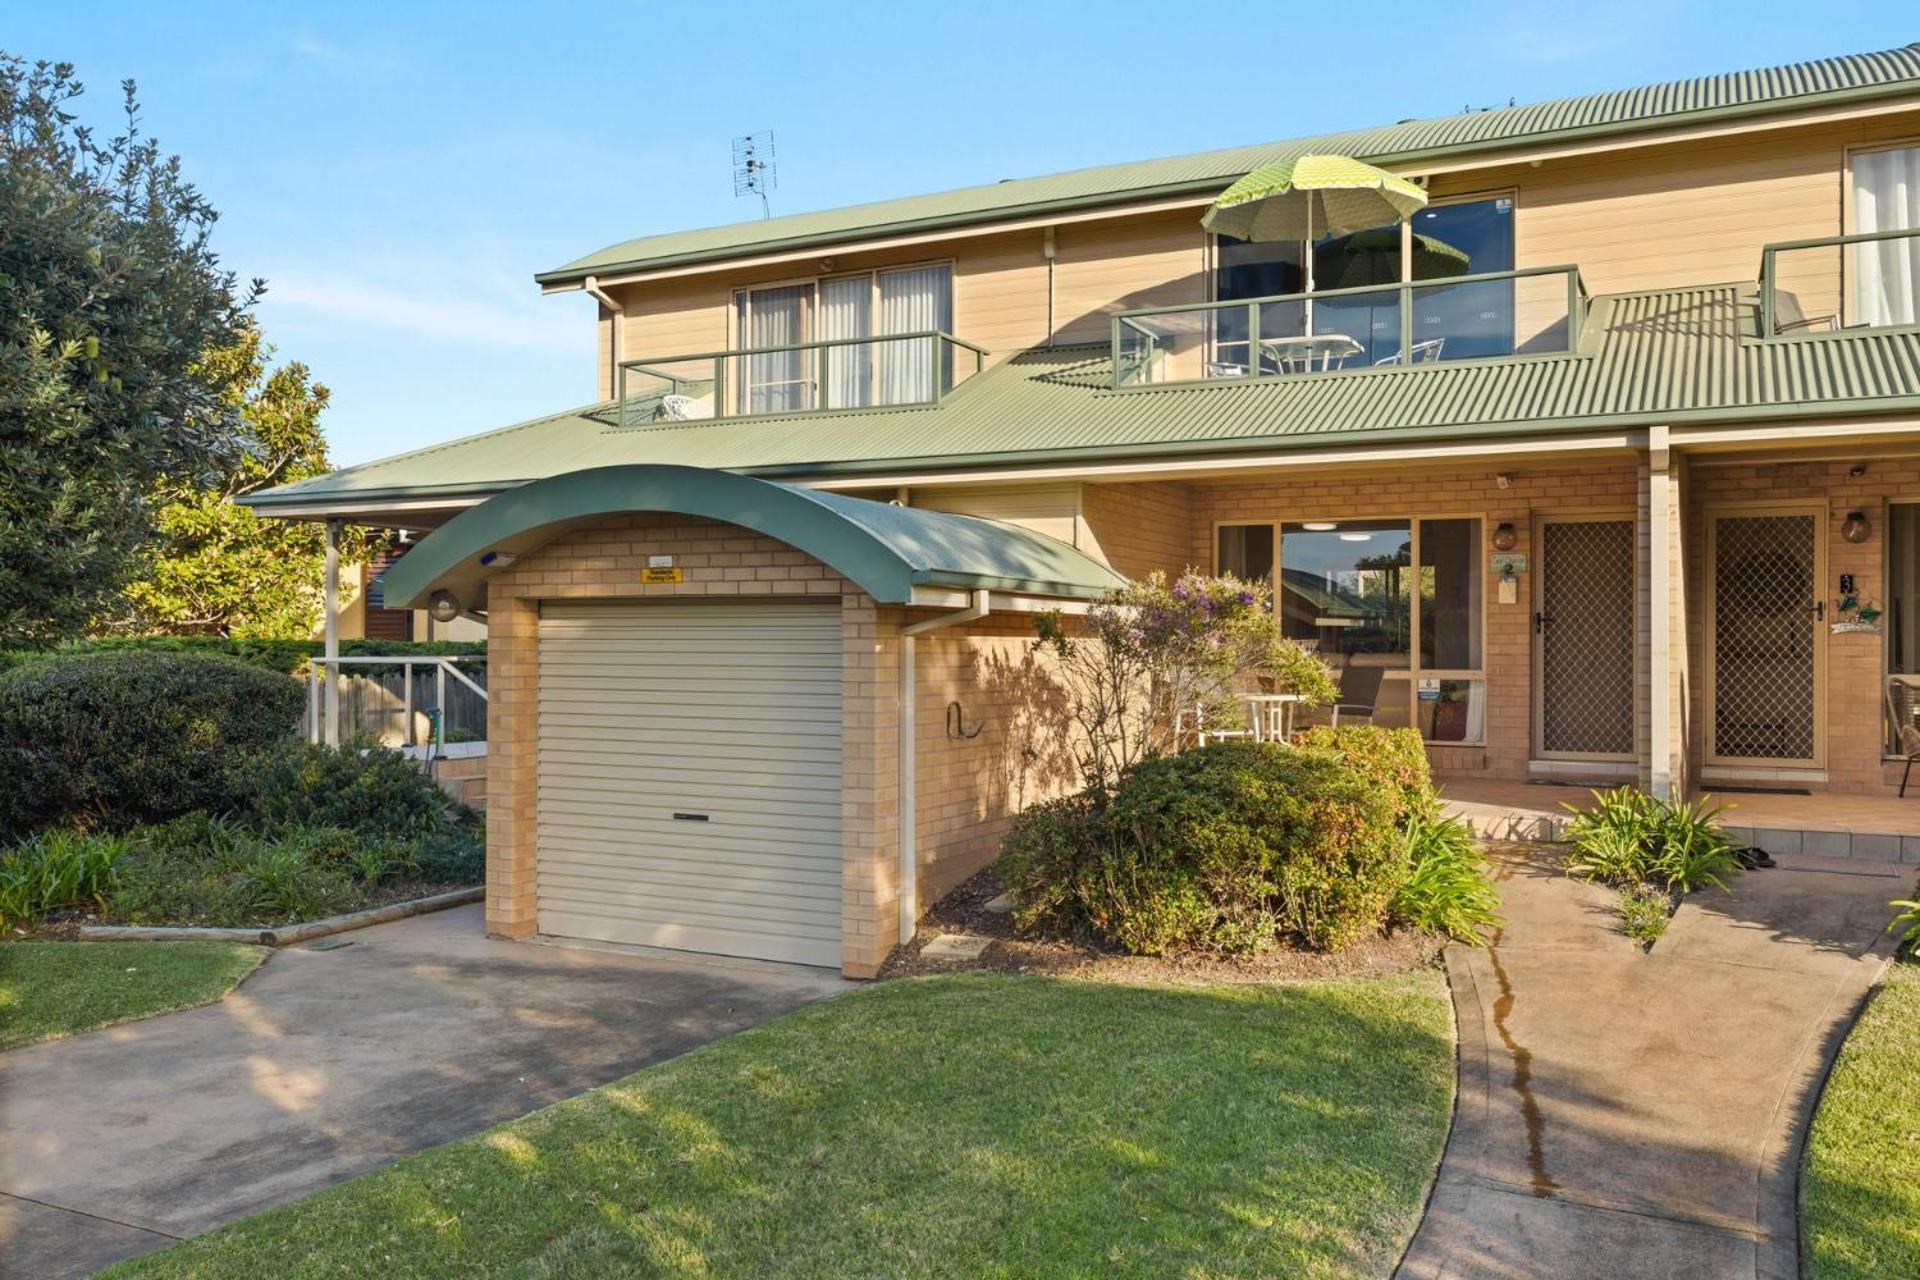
(1138, 528)
(1596, 487)
(967, 787)
(1853, 712)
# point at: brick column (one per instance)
(513, 643)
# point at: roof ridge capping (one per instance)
(1756, 92)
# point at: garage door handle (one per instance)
(689, 817)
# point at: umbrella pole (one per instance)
(1308, 256)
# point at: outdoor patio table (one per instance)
(1298, 355)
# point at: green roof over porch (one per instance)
(884, 549)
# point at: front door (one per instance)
(1764, 623)
(1583, 629)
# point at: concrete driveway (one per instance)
(1625, 1115)
(328, 1063)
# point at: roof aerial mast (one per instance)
(753, 169)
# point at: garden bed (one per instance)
(964, 911)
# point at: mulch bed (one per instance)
(63, 924)
(964, 911)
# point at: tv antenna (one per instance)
(753, 169)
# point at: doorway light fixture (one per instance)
(1504, 537)
(1356, 537)
(1856, 529)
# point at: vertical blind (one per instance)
(1886, 273)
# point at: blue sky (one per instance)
(398, 171)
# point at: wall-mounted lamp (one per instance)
(1857, 470)
(1856, 529)
(443, 606)
(1504, 537)
(1504, 480)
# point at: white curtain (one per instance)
(846, 311)
(914, 301)
(776, 382)
(1886, 273)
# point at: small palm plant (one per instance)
(1907, 922)
(1629, 837)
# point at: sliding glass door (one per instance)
(1886, 273)
(854, 313)
(775, 381)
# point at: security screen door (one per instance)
(1764, 623)
(1583, 637)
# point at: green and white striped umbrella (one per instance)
(1312, 196)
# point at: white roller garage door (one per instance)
(689, 775)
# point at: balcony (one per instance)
(1840, 284)
(836, 375)
(1497, 315)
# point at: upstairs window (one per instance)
(1886, 273)
(845, 311)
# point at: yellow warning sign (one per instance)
(660, 577)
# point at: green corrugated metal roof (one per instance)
(1661, 357)
(1771, 89)
(887, 551)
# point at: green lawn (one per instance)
(52, 989)
(1860, 1204)
(973, 1125)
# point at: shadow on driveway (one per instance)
(326, 1064)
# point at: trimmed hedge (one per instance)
(115, 739)
(1394, 759)
(285, 656)
(1224, 848)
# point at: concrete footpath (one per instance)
(326, 1064)
(1626, 1114)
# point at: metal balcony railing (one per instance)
(1837, 284)
(803, 377)
(1494, 315)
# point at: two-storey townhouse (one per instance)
(1603, 466)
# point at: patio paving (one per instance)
(1877, 828)
(1626, 1114)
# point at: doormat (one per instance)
(1757, 791)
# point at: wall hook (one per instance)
(957, 723)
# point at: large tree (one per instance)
(110, 296)
(215, 567)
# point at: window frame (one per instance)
(1416, 671)
(1849, 214)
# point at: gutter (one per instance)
(909, 808)
(619, 326)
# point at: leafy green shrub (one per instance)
(57, 868)
(359, 787)
(1395, 759)
(115, 739)
(1223, 848)
(458, 856)
(282, 880)
(1449, 887)
(1629, 837)
(1644, 912)
(1906, 923)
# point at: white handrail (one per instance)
(445, 664)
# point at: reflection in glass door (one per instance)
(774, 381)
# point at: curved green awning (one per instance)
(886, 550)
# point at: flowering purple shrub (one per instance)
(1156, 658)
